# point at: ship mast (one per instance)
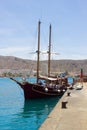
(38, 51)
(49, 51)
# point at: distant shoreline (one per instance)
(14, 65)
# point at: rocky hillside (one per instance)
(10, 62)
(14, 63)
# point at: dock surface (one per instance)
(73, 116)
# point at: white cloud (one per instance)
(13, 50)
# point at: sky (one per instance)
(19, 24)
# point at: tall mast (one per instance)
(38, 51)
(49, 51)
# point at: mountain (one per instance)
(10, 63)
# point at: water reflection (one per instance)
(36, 111)
(37, 105)
(32, 114)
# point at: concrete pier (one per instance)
(72, 116)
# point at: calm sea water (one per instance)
(18, 114)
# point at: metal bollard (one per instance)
(64, 104)
(68, 93)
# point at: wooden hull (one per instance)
(33, 91)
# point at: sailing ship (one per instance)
(51, 87)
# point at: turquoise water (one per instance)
(18, 114)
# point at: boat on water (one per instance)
(44, 86)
